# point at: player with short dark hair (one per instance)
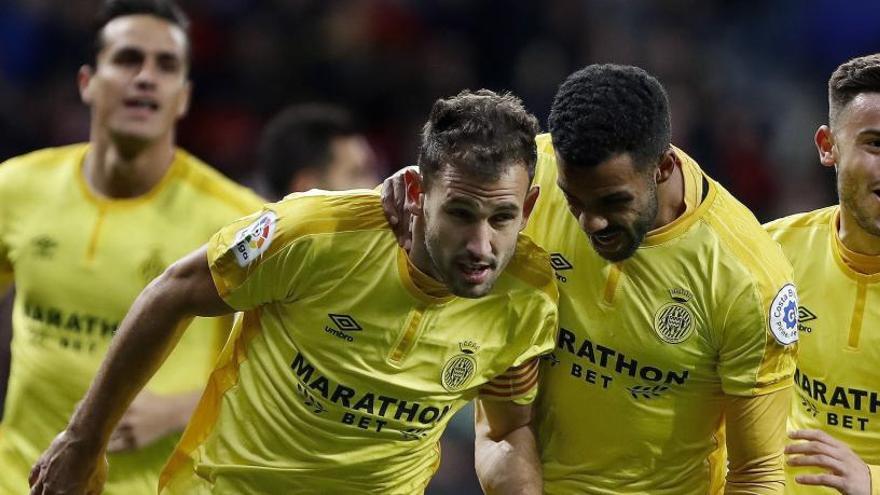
(85, 227)
(315, 146)
(352, 354)
(166, 10)
(835, 252)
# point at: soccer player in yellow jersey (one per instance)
(84, 228)
(678, 317)
(352, 353)
(835, 252)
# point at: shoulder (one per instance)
(318, 212)
(750, 269)
(304, 226)
(785, 228)
(216, 187)
(531, 267)
(742, 239)
(545, 169)
(23, 176)
(43, 158)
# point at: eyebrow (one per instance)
(468, 202)
(136, 49)
(618, 195)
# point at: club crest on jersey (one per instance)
(783, 317)
(459, 370)
(674, 322)
(254, 240)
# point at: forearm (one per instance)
(510, 465)
(146, 336)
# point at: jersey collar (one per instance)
(695, 203)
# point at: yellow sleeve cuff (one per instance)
(875, 478)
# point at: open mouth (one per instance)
(148, 104)
(475, 273)
(606, 238)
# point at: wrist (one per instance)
(84, 440)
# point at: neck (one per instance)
(418, 251)
(670, 198)
(120, 168)
(854, 237)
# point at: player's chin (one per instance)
(620, 254)
(472, 291)
(136, 132)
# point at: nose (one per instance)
(591, 223)
(146, 75)
(479, 244)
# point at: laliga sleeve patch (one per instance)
(254, 240)
(784, 315)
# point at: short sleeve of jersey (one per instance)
(757, 347)
(519, 383)
(259, 259)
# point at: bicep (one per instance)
(189, 283)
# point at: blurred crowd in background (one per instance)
(747, 82)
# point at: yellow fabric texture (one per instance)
(631, 400)
(837, 382)
(339, 377)
(79, 261)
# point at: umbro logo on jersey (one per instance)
(805, 315)
(44, 246)
(559, 264)
(343, 325)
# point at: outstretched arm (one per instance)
(146, 336)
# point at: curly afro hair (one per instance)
(604, 110)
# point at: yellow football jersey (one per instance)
(344, 370)
(630, 400)
(837, 378)
(78, 262)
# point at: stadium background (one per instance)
(746, 81)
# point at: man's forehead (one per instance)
(863, 110)
(144, 31)
(457, 186)
(615, 173)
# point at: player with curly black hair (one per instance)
(678, 318)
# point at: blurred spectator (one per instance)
(315, 146)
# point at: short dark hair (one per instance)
(859, 75)
(300, 137)
(163, 9)
(604, 110)
(483, 131)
